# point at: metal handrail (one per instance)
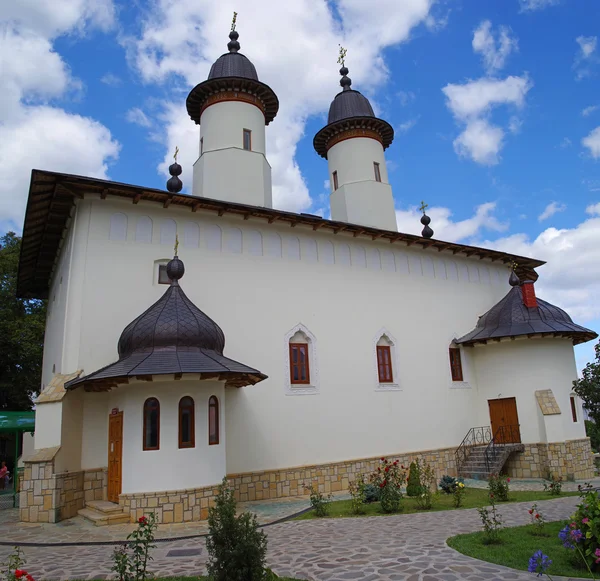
(475, 437)
(504, 435)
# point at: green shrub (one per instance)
(356, 488)
(592, 431)
(498, 487)
(413, 487)
(448, 484)
(370, 493)
(587, 520)
(389, 479)
(318, 500)
(427, 485)
(236, 547)
(555, 486)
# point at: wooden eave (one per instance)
(52, 196)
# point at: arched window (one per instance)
(386, 362)
(151, 424)
(302, 370)
(187, 436)
(213, 420)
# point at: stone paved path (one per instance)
(388, 548)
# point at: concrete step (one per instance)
(104, 506)
(101, 519)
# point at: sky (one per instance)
(495, 107)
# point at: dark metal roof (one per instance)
(349, 104)
(233, 64)
(511, 318)
(52, 197)
(232, 71)
(172, 337)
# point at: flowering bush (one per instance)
(498, 486)
(537, 521)
(491, 520)
(318, 500)
(555, 486)
(133, 567)
(448, 484)
(15, 567)
(389, 478)
(587, 520)
(356, 488)
(459, 494)
(427, 485)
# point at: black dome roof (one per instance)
(511, 318)
(172, 337)
(233, 64)
(349, 103)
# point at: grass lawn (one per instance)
(474, 498)
(518, 545)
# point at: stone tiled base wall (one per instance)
(572, 460)
(49, 497)
(187, 505)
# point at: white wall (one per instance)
(258, 281)
(28, 448)
(225, 171)
(168, 468)
(519, 368)
(94, 437)
(48, 420)
(69, 456)
(360, 199)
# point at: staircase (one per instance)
(102, 513)
(475, 466)
(481, 454)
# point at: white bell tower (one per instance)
(353, 142)
(232, 108)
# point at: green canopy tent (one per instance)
(14, 423)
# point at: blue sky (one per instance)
(496, 107)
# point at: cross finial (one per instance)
(423, 207)
(176, 244)
(342, 58)
(176, 154)
(234, 21)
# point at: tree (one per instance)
(588, 387)
(22, 324)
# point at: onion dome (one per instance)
(511, 318)
(232, 77)
(350, 110)
(174, 184)
(172, 337)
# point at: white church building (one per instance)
(276, 348)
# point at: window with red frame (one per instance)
(456, 364)
(213, 420)
(384, 364)
(299, 366)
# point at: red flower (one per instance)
(537, 516)
(29, 578)
(378, 469)
(508, 480)
(402, 466)
(383, 459)
(573, 525)
(142, 520)
(19, 573)
(395, 462)
(492, 495)
(531, 511)
(387, 468)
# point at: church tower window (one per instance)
(163, 277)
(151, 424)
(456, 364)
(247, 140)
(573, 408)
(299, 366)
(377, 171)
(335, 180)
(384, 364)
(213, 420)
(187, 437)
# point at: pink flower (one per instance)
(597, 554)
(585, 521)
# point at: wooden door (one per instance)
(503, 412)
(115, 455)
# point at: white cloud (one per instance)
(593, 209)
(405, 97)
(531, 5)
(445, 228)
(138, 117)
(586, 57)
(180, 39)
(551, 209)
(589, 110)
(592, 142)
(494, 49)
(471, 104)
(565, 143)
(111, 80)
(408, 125)
(34, 134)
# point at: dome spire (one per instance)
(427, 232)
(174, 184)
(233, 45)
(345, 81)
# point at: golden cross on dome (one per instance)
(342, 59)
(176, 153)
(423, 207)
(176, 244)
(234, 21)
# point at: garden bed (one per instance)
(473, 498)
(517, 544)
